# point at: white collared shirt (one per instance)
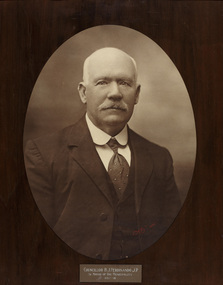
(101, 138)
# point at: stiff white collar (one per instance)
(101, 138)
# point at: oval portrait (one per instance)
(109, 142)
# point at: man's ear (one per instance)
(137, 94)
(82, 92)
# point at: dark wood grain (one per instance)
(191, 33)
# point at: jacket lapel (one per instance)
(143, 165)
(83, 151)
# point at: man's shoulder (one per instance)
(56, 141)
(54, 138)
(148, 147)
(140, 140)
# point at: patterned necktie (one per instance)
(118, 168)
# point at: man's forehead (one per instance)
(113, 71)
(113, 76)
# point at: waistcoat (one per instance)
(124, 243)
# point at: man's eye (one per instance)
(124, 83)
(102, 82)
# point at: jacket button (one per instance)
(103, 217)
(98, 256)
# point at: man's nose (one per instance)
(114, 91)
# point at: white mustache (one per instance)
(122, 107)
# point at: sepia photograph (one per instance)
(109, 142)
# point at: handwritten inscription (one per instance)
(142, 230)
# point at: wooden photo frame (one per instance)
(190, 33)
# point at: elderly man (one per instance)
(106, 191)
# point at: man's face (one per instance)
(110, 91)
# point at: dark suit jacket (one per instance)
(69, 184)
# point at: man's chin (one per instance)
(114, 120)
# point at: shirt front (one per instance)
(100, 140)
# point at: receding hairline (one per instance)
(87, 60)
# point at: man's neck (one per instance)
(100, 137)
(112, 131)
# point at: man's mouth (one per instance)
(114, 107)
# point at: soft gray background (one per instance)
(163, 115)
